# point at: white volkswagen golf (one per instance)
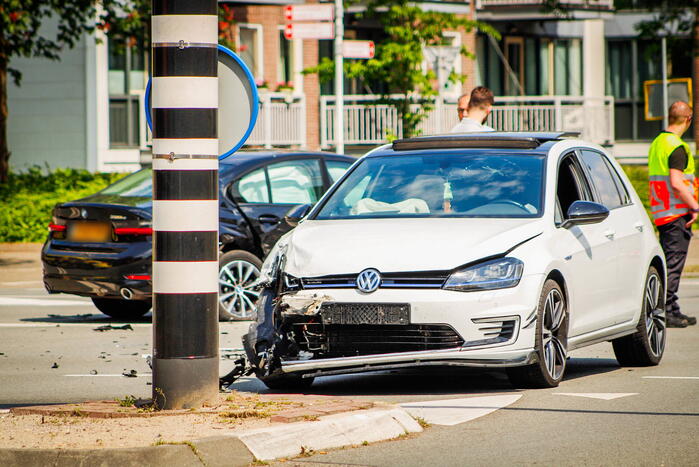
(490, 250)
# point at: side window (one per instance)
(571, 186)
(337, 169)
(602, 179)
(295, 182)
(252, 187)
(621, 188)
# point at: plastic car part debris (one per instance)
(109, 327)
(298, 305)
(55, 365)
(130, 374)
(93, 372)
(240, 369)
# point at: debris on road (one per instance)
(130, 374)
(93, 372)
(55, 365)
(109, 327)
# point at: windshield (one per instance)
(138, 184)
(444, 185)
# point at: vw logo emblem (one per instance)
(368, 280)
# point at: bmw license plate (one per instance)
(89, 231)
(365, 313)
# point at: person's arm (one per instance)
(683, 192)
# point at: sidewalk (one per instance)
(238, 429)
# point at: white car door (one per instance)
(590, 253)
(626, 226)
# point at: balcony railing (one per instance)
(281, 121)
(602, 4)
(368, 122)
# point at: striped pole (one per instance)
(185, 202)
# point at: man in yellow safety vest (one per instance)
(673, 202)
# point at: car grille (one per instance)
(351, 340)
(416, 280)
(365, 313)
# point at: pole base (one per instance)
(184, 383)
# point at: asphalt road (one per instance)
(601, 414)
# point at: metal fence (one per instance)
(281, 121)
(369, 122)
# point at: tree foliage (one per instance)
(398, 60)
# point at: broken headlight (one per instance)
(494, 274)
(272, 265)
(291, 283)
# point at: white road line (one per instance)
(671, 377)
(12, 301)
(454, 411)
(64, 323)
(607, 396)
(20, 283)
(138, 375)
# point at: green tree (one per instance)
(398, 59)
(22, 35)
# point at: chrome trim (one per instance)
(480, 358)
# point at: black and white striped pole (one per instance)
(185, 202)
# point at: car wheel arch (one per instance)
(657, 262)
(557, 276)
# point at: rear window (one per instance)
(138, 185)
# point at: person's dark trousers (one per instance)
(674, 239)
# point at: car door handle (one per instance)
(268, 219)
(638, 226)
(609, 234)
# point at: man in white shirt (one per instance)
(479, 107)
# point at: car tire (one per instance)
(236, 300)
(293, 383)
(646, 346)
(122, 309)
(550, 342)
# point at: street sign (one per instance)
(238, 102)
(358, 49)
(314, 12)
(309, 31)
(678, 89)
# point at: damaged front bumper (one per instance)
(492, 358)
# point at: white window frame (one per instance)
(296, 53)
(258, 73)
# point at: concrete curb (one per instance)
(288, 440)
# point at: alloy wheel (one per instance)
(654, 316)
(553, 334)
(235, 293)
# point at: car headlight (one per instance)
(272, 264)
(494, 274)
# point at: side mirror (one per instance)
(295, 214)
(585, 212)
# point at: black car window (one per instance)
(138, 184)
(602, 179)
(253, 188)
(296, 181)
(337, 169)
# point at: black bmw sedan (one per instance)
(100, 246)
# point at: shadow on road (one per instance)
(98, 318)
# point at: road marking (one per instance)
(671, 377)
(607, 396)
(454, 411)
(20, 283)
(137, 375)
(64, 323)
(12, 301)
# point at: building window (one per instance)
(250, 47)
(567, 67)
(285, 66)
(127, 81)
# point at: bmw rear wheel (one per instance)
(236, 298)
(550, 342)
(646, 346)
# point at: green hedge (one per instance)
(28, 197)
(638, 174)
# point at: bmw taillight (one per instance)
(133, 231)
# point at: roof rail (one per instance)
(490, 139)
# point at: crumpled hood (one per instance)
(319, 248)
